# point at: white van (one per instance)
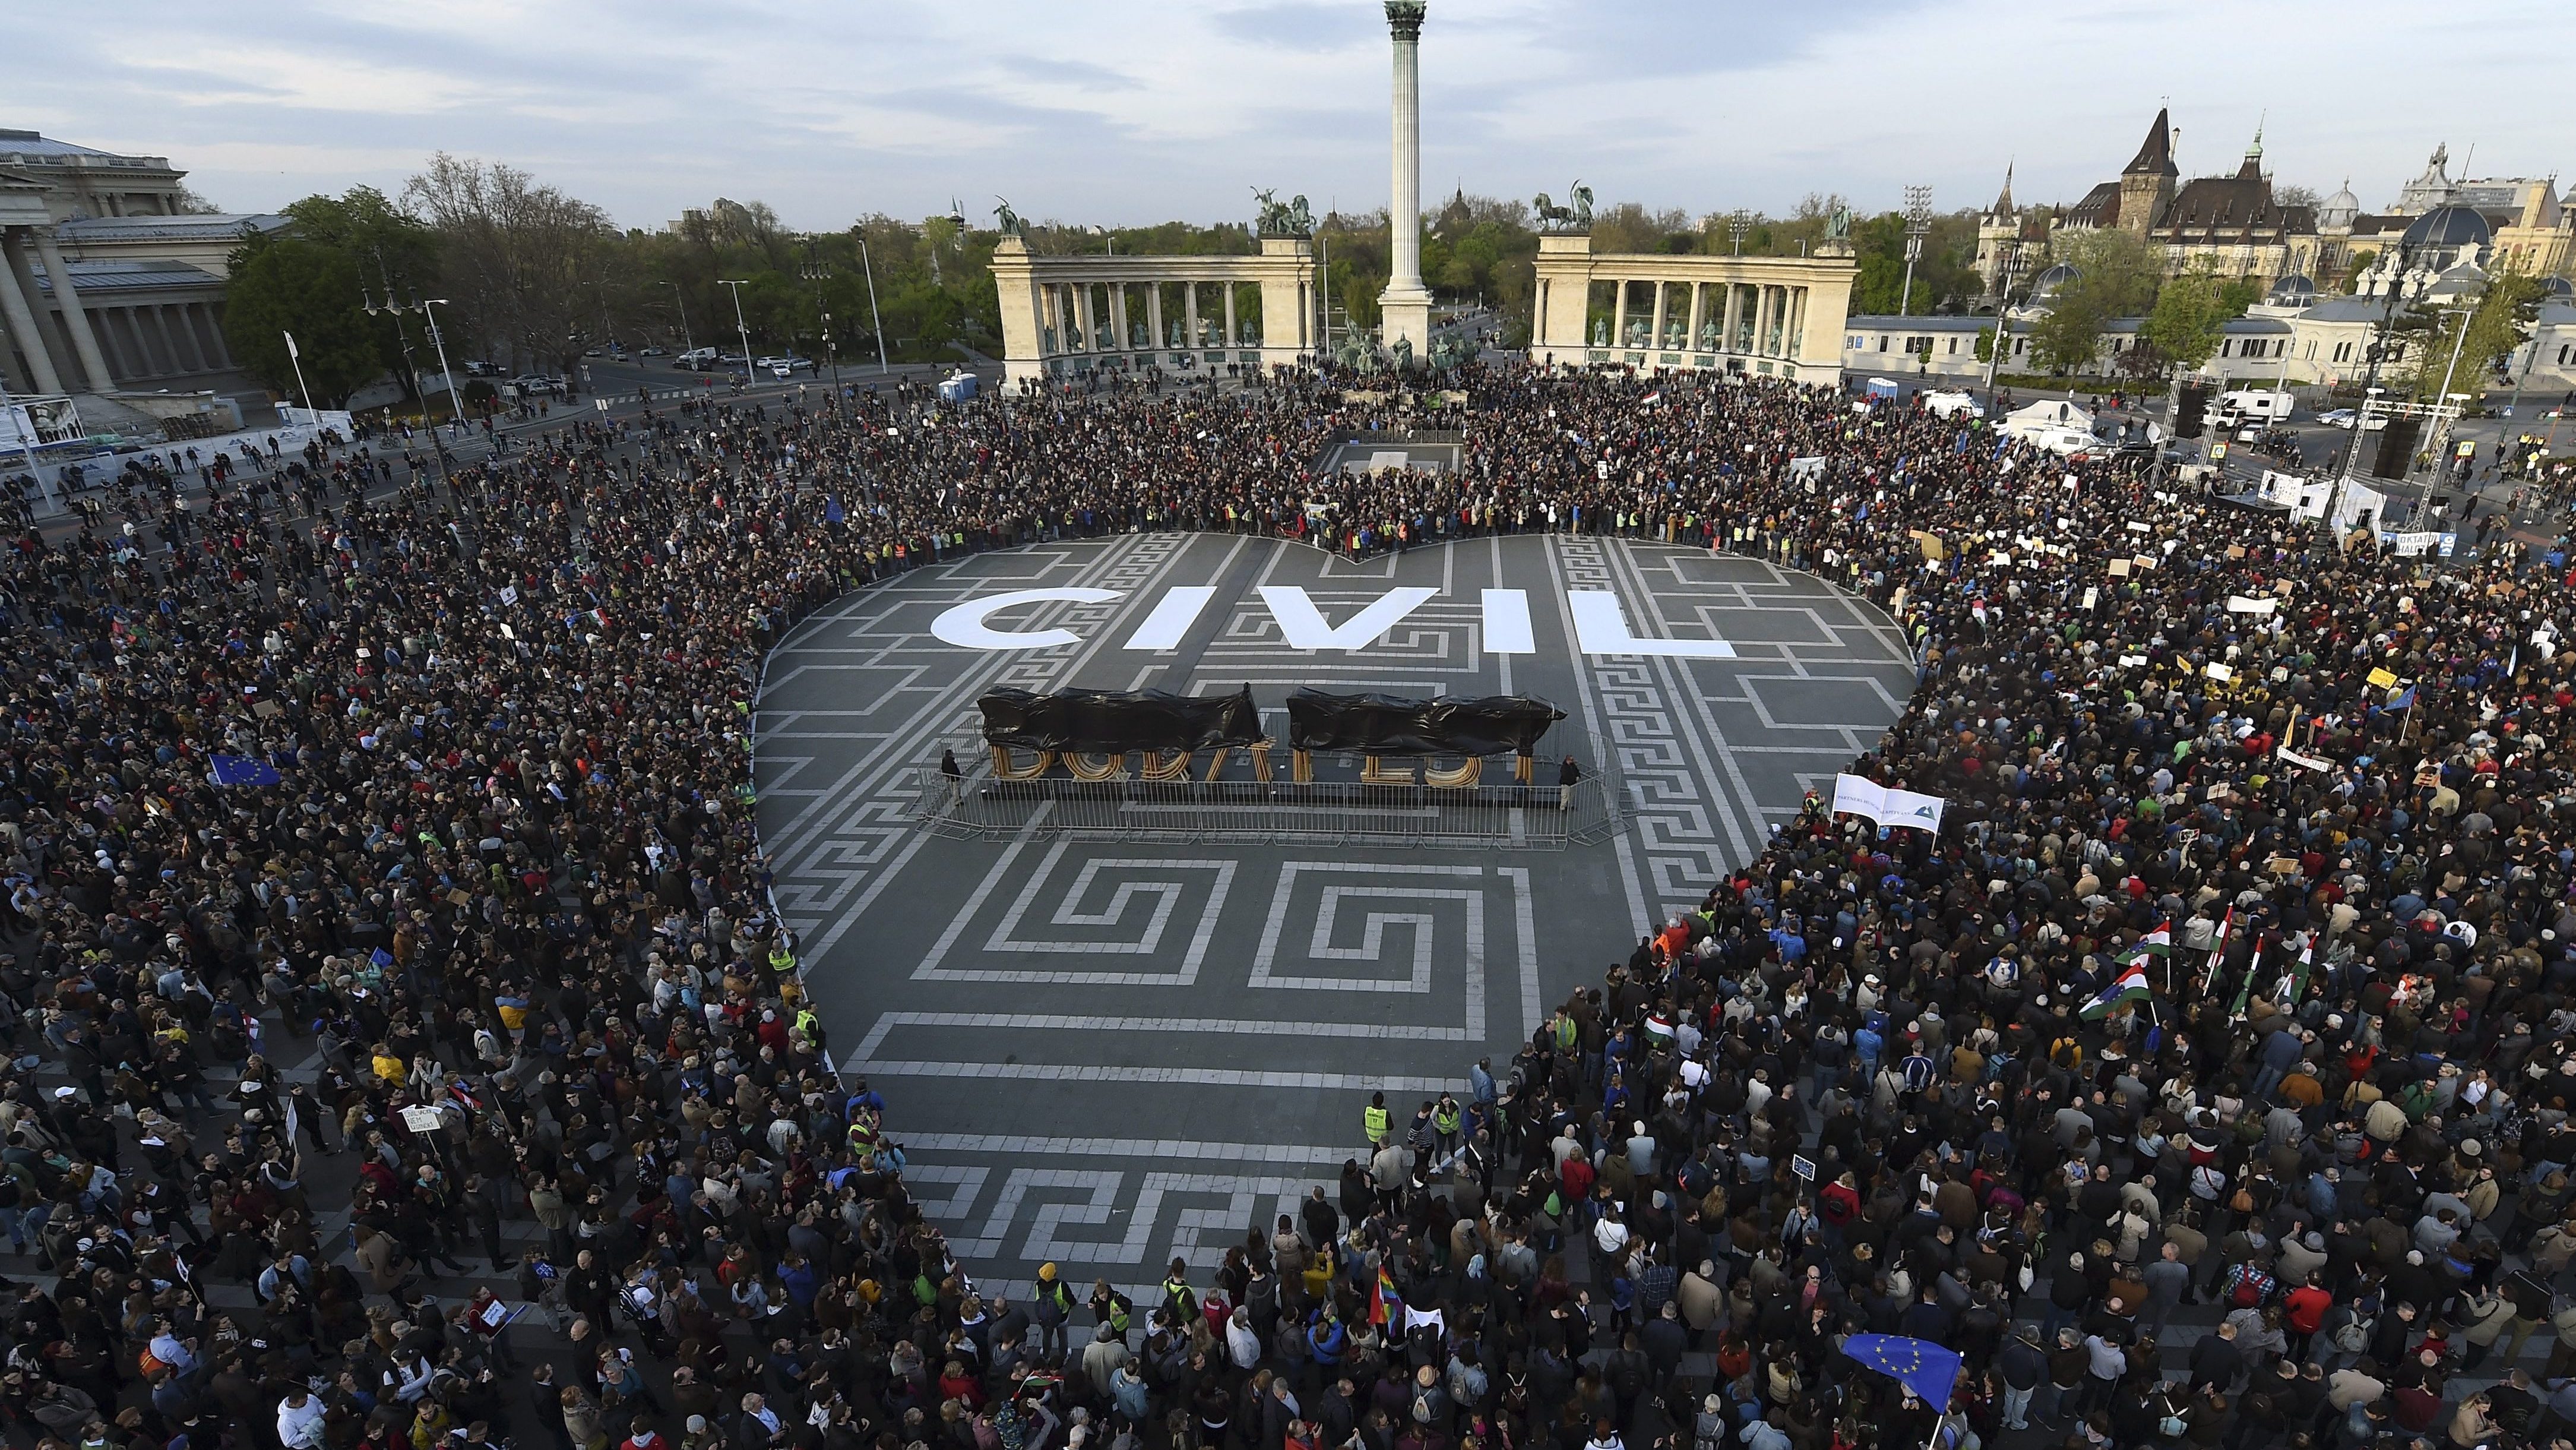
(1952, 403)
(696, 359)
(2254, 405)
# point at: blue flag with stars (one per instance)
(1918, 1364)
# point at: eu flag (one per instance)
(244, 770)
(1918, 1364)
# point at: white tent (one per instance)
(2052, 423)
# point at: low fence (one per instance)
(1331, 812)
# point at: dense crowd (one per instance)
(435, 775)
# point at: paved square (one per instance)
(1108, 1054)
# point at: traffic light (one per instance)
(2195, 403)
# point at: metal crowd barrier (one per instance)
(1279, 811)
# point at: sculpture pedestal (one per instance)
(1406, 315)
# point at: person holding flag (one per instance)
(2128, 985)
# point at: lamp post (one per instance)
(817, 273)
(680, 299)
(875, 322)
(741, 328)
(1738, 223)
(297, 358)
(1918, 221)
(455, 404)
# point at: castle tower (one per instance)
(2147, 182)
(1998, 232)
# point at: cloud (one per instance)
(1131, 110)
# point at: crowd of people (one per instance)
(2243, 971)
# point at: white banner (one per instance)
(1885, 804)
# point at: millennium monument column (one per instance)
(1405, 306)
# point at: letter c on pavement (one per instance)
(963, 625)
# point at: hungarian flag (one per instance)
(2129, 986)
(2157, 943)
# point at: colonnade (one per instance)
(109, 344)
(1757, 319)
(1100, 317)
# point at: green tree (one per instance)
(2484, 335)
(2190, 317)
(282, 285)
(1986, 343)
(2112, 279)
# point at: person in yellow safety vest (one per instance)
(1446, 1116)
(1375, 1120)
(863, 1135)
(781, 960)
(807, 1029)
(1053, 1307)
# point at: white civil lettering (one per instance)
(1302, 626)
(1173, 615)
(1507, 623)
(1601, 628)
(963, 624)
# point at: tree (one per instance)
(2112, 279)
(395, 255)
(287, 284)
(2360, 263)
(516, 256)
(2494, 328)
(1986, 343)
(2190, 317)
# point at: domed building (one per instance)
(2432, 252)
(2051, 281)
(2336, 213)
(2294, 290)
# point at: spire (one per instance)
(2003, 203)
(2155, 154)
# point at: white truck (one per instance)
(1951, 403)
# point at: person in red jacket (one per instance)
(2303, 1313)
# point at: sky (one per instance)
(1125, 112)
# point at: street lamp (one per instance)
(815, 272)
(1918, 221)
(455, 403)
(874, 321)
(739, 325)
(297, 358)
(1737, 224)
(681, 300)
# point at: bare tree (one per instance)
(517, 255)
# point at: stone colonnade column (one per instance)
(18, 297)
(67, 297)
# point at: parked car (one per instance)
(475, 368)
(539, 383)
(787, 367)
(696, 359)
(2339, 418)
(653, 352)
